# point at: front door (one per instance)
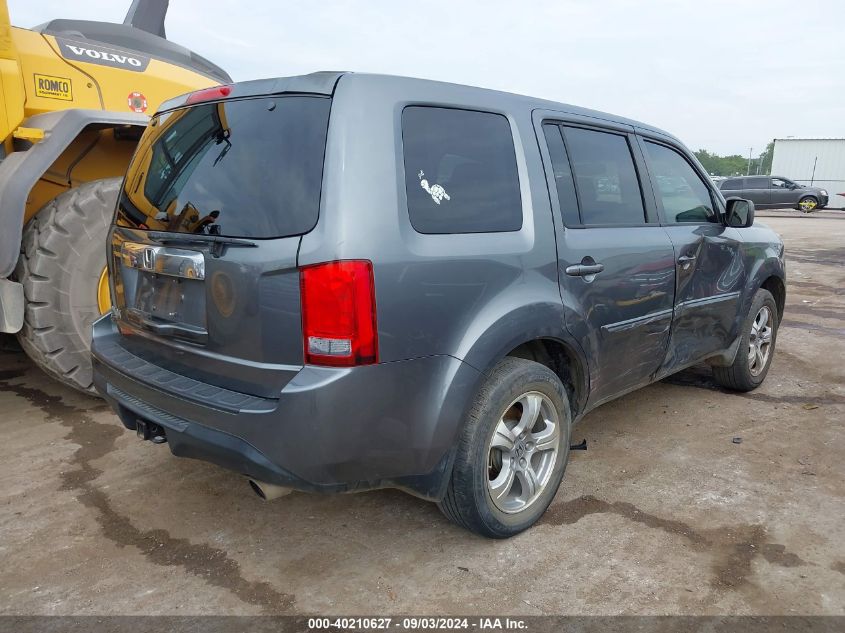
(783, 193)
(616, 269)
(709, 269)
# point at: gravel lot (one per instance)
(663, 514)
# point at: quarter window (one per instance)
(684, 195)
(608, 188)
(460, 171)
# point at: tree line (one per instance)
(736, 165)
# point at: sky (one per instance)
(723, 75)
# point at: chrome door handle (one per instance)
(584, 270)
(686, 260)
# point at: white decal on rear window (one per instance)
(437, 192)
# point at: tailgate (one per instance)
(204, 247)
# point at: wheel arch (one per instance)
(564, 361)
(533, 330)
(24, 172)
(777, 287)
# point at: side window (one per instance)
(757, 183)
(605, 177)
(460, 171)
(780, 183)
(732, 184)
(564, 183)
(684, 195)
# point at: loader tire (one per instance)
(63, 253)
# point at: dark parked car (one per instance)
(340, 282)
(775, 192)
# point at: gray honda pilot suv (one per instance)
(340, 282)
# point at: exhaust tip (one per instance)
(257, 489)
(268, 492)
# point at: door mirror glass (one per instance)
(739, 212)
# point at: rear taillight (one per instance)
(339, 313)
(209, 94)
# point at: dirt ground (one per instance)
(664, 514)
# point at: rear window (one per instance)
(241, 168)
(460, 171)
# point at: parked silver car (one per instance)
(775, 192)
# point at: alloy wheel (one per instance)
(807, 204)
(523, 452)
(760, 341)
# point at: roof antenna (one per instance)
(148, 15)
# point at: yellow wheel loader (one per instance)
(75, 96)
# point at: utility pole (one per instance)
(748, 168)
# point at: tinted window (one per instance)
(460, 171)
(244, 168)
(608, 189)
(757, 183)
(564, 182)
(732, 184)
(684, 195)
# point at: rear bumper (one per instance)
(331, 429)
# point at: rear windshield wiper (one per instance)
(218, 242)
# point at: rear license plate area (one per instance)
(164, 291)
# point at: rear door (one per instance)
(731, 187)
(616, 264)
(205, 240)
(758, 190)
(709, 269)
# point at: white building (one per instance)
(819, 162)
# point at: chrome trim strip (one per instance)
(163, 260)
(630, 324)
(694, 303)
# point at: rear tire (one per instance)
(749, 370)
(469, 501)
(62, 257)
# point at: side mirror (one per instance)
(739, 212)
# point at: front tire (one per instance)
(512, 453)
(62, 259)
(808, 204)
(756, 348)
